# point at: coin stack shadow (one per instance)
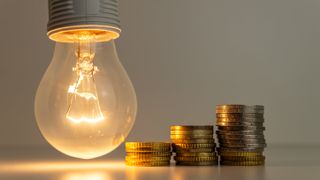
(148, 153)
(240, 135)
(193, 145)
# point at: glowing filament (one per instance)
(84, 103)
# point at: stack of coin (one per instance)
(148, 153)
(240, 135)
(193, 145)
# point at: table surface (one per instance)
(37, 162)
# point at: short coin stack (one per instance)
(240, 134)
(148, 153)
(193, 145)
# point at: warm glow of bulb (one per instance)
(85, 104)
(85, 119)
(52, 166)
(86, 176)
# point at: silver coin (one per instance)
(241, 136)
(244, 111)
(224, 134)
(239, 141)
(239, 106)
(256, 109)
(262, 146)
(242, 141)
(227, 133)
(244, 123)
(241, 128)
(238, 115)
(242, 145)
(242, 119)
(246, 149)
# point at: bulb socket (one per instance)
(70, 17)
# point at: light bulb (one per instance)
(85, 105)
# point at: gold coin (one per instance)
(150, 158)
(191, 128)
(147, 163)
(191, 132)
(148, 154)
(185, 150)
(147, 146)
(230, 153)
(201, 141)
(140, 150)
(230, 106)
(196, 163)
(193, 145)
(242, 163)
(198, 154)
(195, 158)
(242, 158)
(175, 136)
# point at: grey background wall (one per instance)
(184, 57)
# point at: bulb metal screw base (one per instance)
(68, 17)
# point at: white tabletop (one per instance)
(283, 162)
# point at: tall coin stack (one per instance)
(193, 145)
(148, 153)
(240, 135)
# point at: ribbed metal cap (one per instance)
(69, 16)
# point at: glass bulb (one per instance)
(85, 105)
